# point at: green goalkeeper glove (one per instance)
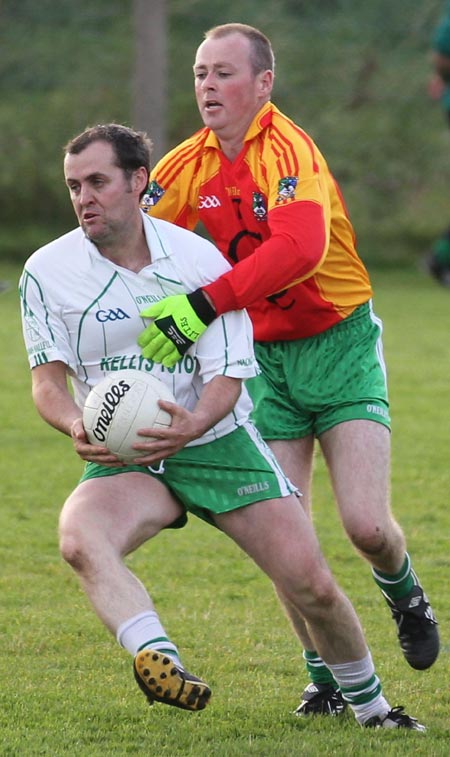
(177, 322)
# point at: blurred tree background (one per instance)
(353, 74)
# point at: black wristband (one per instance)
(201, 306)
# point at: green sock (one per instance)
(398, 585)
(317, 670)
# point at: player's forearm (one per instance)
(56, 406)
(218, 398)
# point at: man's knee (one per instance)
(78, 544)
(315, 594)
(72, 551)
(375, 538)
(73, 547)
(371, 541)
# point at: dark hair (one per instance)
(132, 149)
(261, 55)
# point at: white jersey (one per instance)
(83, 310)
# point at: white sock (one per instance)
(144, 631)
(361, 674)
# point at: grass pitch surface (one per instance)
(68, 689)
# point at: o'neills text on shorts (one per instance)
(261, 486)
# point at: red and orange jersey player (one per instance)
(264, 193)
(280, 194)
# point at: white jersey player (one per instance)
(82, 309)
(84, 299)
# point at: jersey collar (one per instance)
(157, 241)
(262, 119)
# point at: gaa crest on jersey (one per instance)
(259, 206)
(286, 189)
(112, 314)
(152, 196)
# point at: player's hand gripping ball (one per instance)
(119, 405)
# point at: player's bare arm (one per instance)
(52, 396)
(56, 406)
(218, 398)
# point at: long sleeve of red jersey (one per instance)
(293, 252)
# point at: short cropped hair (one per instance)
(132, 149)
(262, 57)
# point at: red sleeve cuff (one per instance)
(222, 295)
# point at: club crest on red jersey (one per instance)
(259, 206)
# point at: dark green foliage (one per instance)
(353, 74)
(64, 65)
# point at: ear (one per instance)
(265, 83)
(140, 179)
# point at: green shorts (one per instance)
(307, 386)
(226, 474)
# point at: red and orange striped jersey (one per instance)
(277, 215)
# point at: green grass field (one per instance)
(67, 688)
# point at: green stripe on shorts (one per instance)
(231, 472)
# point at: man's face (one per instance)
(228, 93)
(105, 200)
